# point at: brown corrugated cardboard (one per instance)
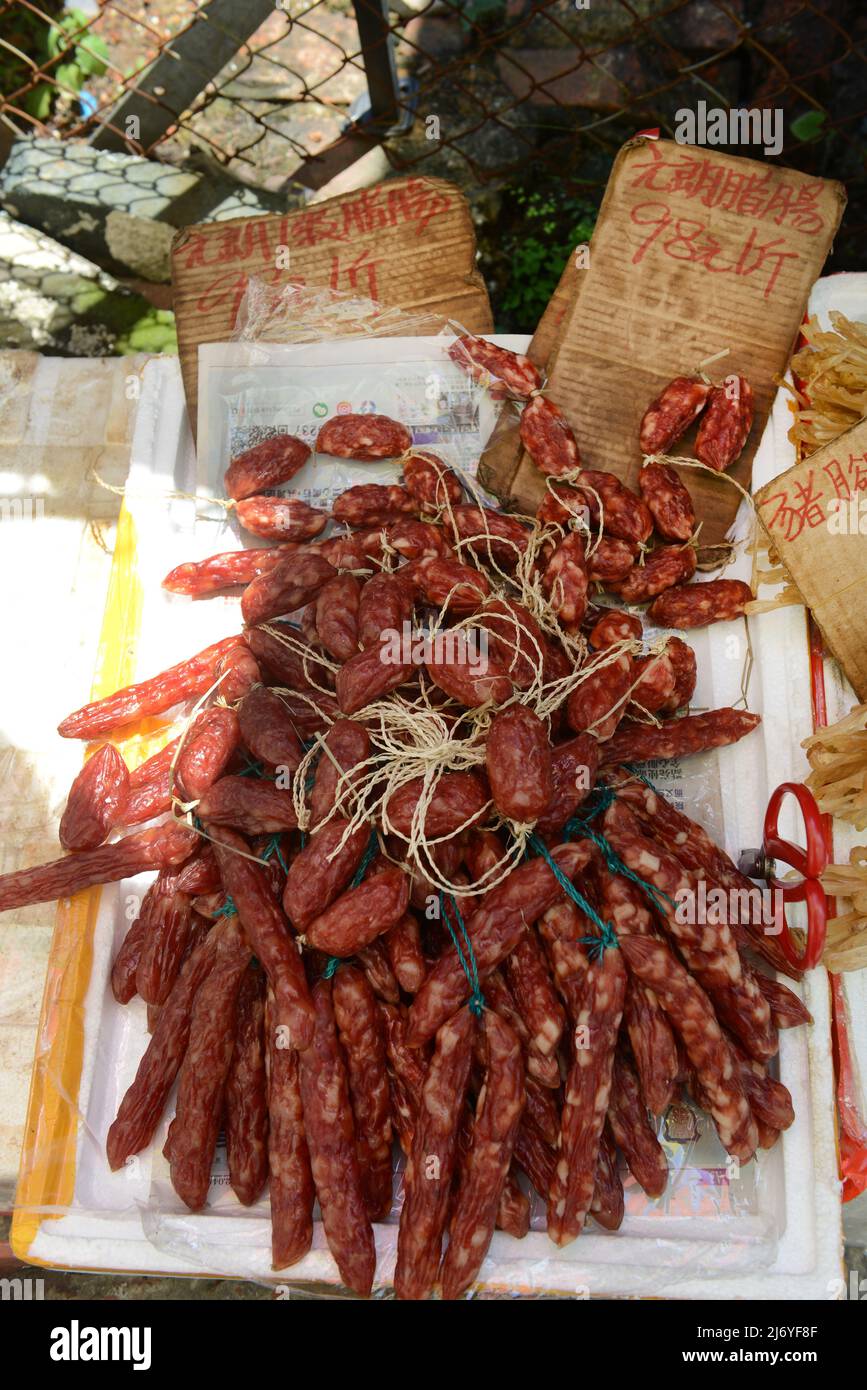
(407, 243)
(816, 516)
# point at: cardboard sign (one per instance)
(407, 243)
(816, 516)
(693, 252)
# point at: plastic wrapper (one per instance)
(716, 1231)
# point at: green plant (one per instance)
(82, 55)
(548, 226)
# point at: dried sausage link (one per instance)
(431, 1163)
(362, 1036)
(483, 1179)
(330, 1134)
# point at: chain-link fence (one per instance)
(499, 95)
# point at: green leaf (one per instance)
(38, 102)
(68, 76)
(808, 126)
(91, 55)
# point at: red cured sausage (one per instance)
(654, 680)
(459, 799)
(385, 604)
(515, 640)
(615, 626)
(268, 934)
(498, 1115)
(238, 671)
(280, 518)
(363, 437)
(321, 870)
(374, 504)
(160, 848)
(333, 1158)
(663, 568)
(726, 424)
(196, 578)
(125, 964)
(247, 804)
(431, 1163)
(599, 992)
(418, 540)
(496, 539)
(138, 1116)
(284, 589)
(621, 511)
(573, 774)
(653, 1046)
(692, 845)
(527, 975)
(494, 930)
(446, 582)
(267, 731)
(94, 798)
(668, 500)
(681, 657)
(337, 616)
(712, 955)
(360, 914)
(378, 972)
(471, 683)
(610, 560)
(696, 605)
(518, 762)
(206, 751)
(679, 738)
(362, 1036)
(548, 438)
(512, 374)
(597, 705)
(168, 920)
(287, 657)
(186, 681)
(608, 1204)
(403, 945)
(693, 1019)
(265, 466)
(201, 1086)
(290, 1189)
(565, 581)
(352, 550)
(369, 676)
(430, 482)
(345, 746)
(627, 1115)
(669, 417)
(246, 1118)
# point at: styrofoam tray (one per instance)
(784, 1242)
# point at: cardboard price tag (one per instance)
(694, 252)
(816, 516)
(407, 243)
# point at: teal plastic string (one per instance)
(372, 847)
(471, 970)
(607, 938)
(580, 825)
(228, 909)
(330, 967)
(273, 847)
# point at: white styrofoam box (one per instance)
(775, 1236)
